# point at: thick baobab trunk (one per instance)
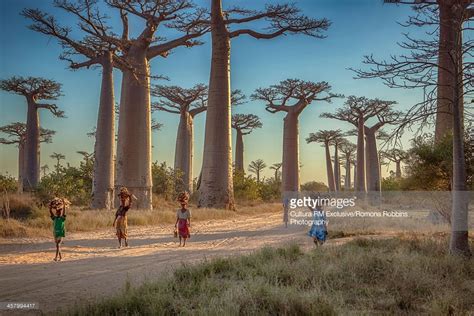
(459, 242)
(134, 141)
(355, 176)
(21, 165)
(360, 180)
(239, 151)
(337, 170)
(372, 162)
(32, 170)
(216, 188)
(446, 84)
(347, 179)
(398, 169)
(183, 158)
(329, 170)
(103, 179)
(290, 162)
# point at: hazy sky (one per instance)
(359, 27)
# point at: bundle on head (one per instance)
(59, 203)
(183, 197)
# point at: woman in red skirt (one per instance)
(183, 218)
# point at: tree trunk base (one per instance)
(459, 244)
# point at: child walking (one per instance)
(120, 221)
(59, 218)
(183, 218)
(319, 230)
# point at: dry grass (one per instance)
(35, 221)
(401, 276)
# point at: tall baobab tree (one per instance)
(216, 184)
(34, 89)
(276, 167)
(256, 167)
(243, 124)
(187, 103)
(325, 137)
(357, 110)
(134, 129)
(292, 96)
(97, 53)
(16, 133)
(397, 156)
(58, 157)
(336, 140)
(348, 150)
(384, 117)
(417, 71)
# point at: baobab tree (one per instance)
(276, 167)
(216, 184)
(325, 137)
(348, 150)
(134, 130)
(338, 137)
(34, 89)
(97, 53)
(429, 63)
(16, 133)
(256, 167)
(187, 103)
(243, 124)
(292, 96)
(397, 156)
(58, 157)
(449, 60)
(384, 117)
(357, 110)
(44, 169)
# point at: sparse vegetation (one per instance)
(404, 275)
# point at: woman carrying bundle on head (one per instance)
(120, 222)
(183, 218)
(59, 218)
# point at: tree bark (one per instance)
(290, 162)
(103, 179)
(32, 150)
(134, 141)
(183, 158)
(360, 180)
(372, 161)
(446, 84)
(347, 179)
(239, 151)
(21, 165)
(459, 241)
(355, 176)
(398, 170)
(337, 169)
(329, 170)
(216, 188)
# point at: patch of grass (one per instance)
(403, 275)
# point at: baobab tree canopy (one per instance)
(36, 88)
(292, 96)
(244, 124)
(17, 134)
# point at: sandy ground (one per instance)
(93, 267)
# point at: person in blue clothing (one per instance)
(318, 229)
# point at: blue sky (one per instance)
(359, 27)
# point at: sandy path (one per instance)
(93, 267)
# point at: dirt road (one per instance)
(93, 267)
